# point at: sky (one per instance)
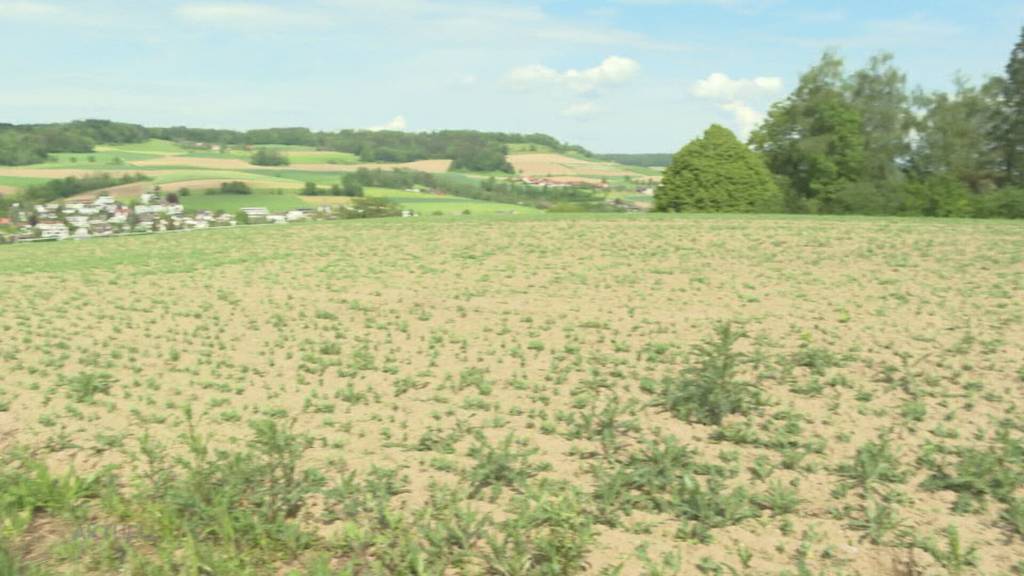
(611, 75)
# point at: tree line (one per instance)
(469, 150)
(490, 189)
(861, 142)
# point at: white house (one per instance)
(56, 230)
(78, 221)
(150, 209)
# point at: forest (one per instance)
(469, 150)
(863, 142)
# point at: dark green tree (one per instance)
(954, 135)
(269, 157)
(717, 173)
(878, 93)
(812, 140)
(1009, 130)
(351, 186)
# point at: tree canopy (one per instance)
(717, 173)
(862, 143)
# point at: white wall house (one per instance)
(55, 230)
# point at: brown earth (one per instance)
(864, 329)
(536, 165)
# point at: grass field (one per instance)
(430, 204)
(636, 395)
(169, 163)
(276, 201)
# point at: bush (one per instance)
(1000, 203)
(717, 173)
(234, 188)
(269, 157)
(70, 186)
(711, 388)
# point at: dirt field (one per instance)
(560, 165)
(876, 398)
(124, 192)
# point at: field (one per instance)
(561, 166)
(275, 201)
(174, 167)
(635, 395)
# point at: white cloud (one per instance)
(746, 118)
(733, 95)
(581, 110)
(240, 14)
(613, 70)
(28, 10)
(719, 86)
(396, 124)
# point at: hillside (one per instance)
(173, 167)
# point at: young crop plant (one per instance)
(1014, 516)
(996, 471)
(878, 519)
(874, 463)
(780, 498)
(549, 533)
(951, 554)
(714, 385)
(86, 386)
(507, 463)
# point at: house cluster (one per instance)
(106, 216)
(548, 183)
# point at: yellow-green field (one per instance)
(173, 167)
(635, 395)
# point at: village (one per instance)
(104, 216)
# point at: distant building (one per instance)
(52, 230)
(256, 214)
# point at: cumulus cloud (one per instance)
(396, 124)
(26, 9)
(746, 118)
(733, 95)
(613, 70)
(721, 86)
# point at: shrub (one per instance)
(269, 157)
(711, 388)
(717, 173)
(501, 465)
(874, 462)
(549, 534)
(235, 187)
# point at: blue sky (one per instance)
(612, 75)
